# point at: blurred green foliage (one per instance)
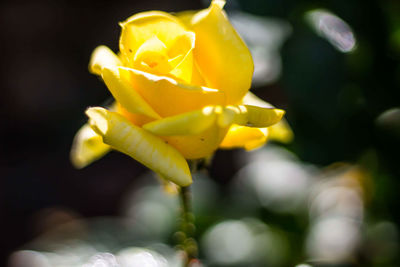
(343, 107)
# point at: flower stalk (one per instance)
(186, 239)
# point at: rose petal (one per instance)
(246, 137)
(134, 118)
(169, 97)
(197, 77)
(191, 123)
(252, 116)
(281, 131)
(102, 57)
(223, 57)
(185, 17)
(143, 26)
(263, 117)
(174, 42)
(125, 94)
(195, 122)
(200, 145)
(152, 56)
(197, 134)
(87, 147)
(141, 145)
(252, 99)
(183, 46)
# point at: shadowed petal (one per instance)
(246, 137)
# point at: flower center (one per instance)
(155, 57)
(152, 56)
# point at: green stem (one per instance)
(187, 242)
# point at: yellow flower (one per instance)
(181, 88)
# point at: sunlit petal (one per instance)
(169, 97)
(152, 56)
(141, 145)
(125, 94)
(252, 116)
(221, 54)
(280, 131)
(87, 147)
(143, 26)
(263, 117)
(252, 99)
(191, 123)
(186, 17)
(197, 76)
(102, 57)
(183, 47)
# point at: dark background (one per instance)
(333, 101)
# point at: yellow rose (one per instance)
(181, 88)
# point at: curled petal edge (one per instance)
(281, 131)
(102, 57)
(190, 123)
(196, 122)
(139, 144)
(87, 147)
